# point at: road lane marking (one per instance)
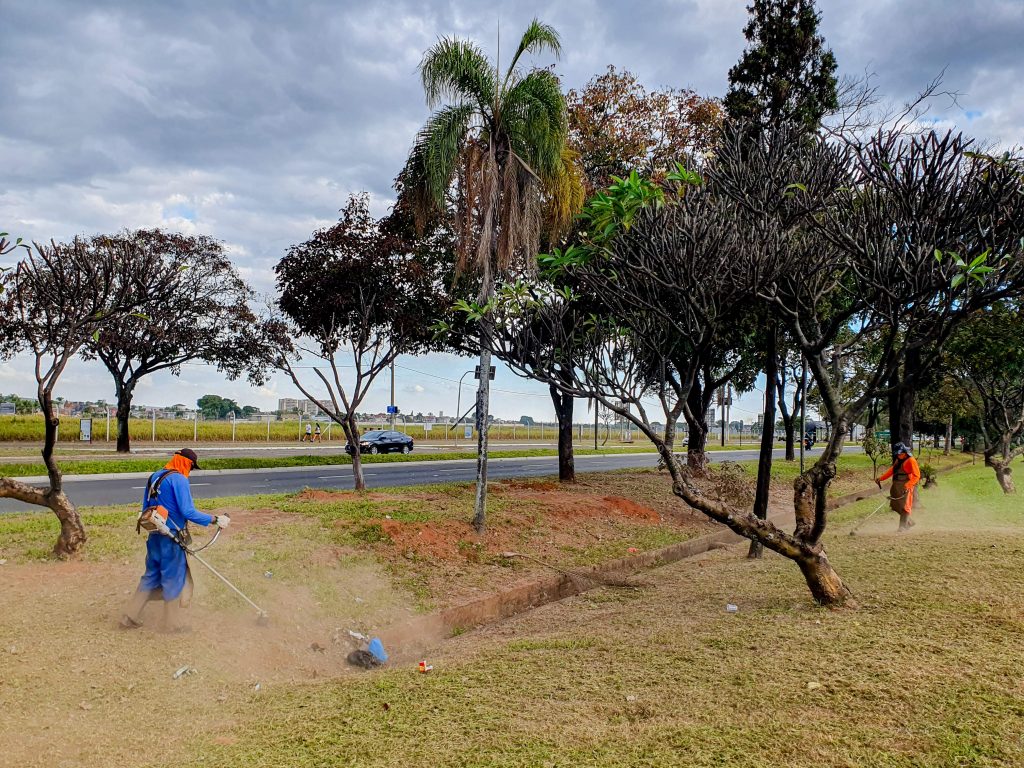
(143, 487)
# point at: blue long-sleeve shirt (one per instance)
(175, 496)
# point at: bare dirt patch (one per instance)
(320, 563)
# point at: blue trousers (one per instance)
(166, 567)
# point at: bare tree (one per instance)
(655, 275)
(56, 299)
(206, 318)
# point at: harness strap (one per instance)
(152, 491)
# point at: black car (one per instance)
(382, 441)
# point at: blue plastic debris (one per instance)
(376, 647)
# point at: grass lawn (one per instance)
(925, 673)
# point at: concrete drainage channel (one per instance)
(416, 635)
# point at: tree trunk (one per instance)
(902, 398)
(764, 458)
(1004, 474)
(1001, 466)
(483, 403)
(72, 533)
(563, 411)
(697, 432)
(949, 436)
(826, 586)
(810, 490)
(125, 392)
(351, 429)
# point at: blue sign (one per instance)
(469, 432)
(392, 409)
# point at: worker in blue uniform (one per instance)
(167, 574)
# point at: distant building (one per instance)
(297, 405)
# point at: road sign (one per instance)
(392, 409)
(85, 430)
(469, 432)
(428, 427)
(476, 373)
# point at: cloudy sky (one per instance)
(253, 121)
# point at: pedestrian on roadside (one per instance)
(316, 434)
(309, 433)
(167, 575)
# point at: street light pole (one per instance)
(458, 406)
(392, 395)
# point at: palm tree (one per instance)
(494, 153)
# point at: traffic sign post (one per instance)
(392, 409)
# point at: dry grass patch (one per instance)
(925, 673)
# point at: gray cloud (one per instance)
(252, 122)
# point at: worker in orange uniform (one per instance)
(905, 475)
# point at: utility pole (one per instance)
(728, 406)
(721, 405)
(392, 396)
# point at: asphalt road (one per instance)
(86, 490)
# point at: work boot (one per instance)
(132, 616)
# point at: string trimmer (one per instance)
(262, 619)
(875, 511)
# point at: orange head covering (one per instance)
(179, 463)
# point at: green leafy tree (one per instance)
(786, 74)
(876, 449)
(988, 354)
(496, 146)
(217, 407)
